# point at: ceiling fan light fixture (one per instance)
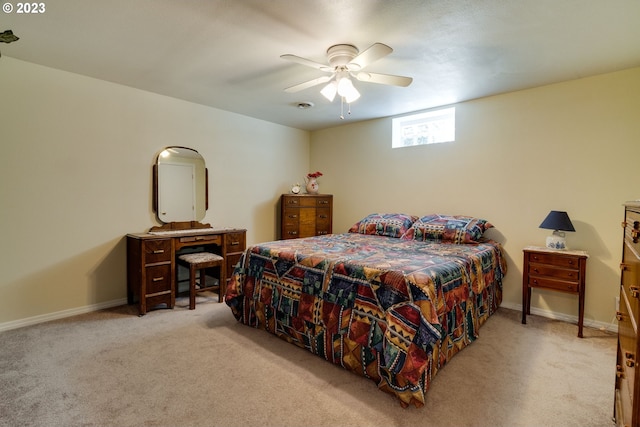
(347, 90)
(330, 90)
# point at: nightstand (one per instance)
(555, 270)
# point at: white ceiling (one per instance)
(226, 53)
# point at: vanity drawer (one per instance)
(235, 242)
(205, 239)
(158, 279)
(157, 251)
(232, 261)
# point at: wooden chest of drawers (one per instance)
(305, 215)
(556, 270)
(627, 384)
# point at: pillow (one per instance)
(448, 229)
(381, 224)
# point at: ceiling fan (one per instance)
(345, 61)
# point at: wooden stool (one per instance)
(200, 261)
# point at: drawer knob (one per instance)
(293, 233)
(630, 363)
(635, 291)
(293, 216)
(624, 267)
(158, 251)
(235, 243)
(619, 316)
(619, 371)
(629, 355)
(634, 235)
(157, 279)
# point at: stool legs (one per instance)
(192, 285)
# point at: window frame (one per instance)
(430, 119)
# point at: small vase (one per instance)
(312, 186)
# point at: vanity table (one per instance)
(151, 258)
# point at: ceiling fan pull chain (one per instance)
(342, 108)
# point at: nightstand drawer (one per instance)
(554, 259)
(542, 282)
(554, 272)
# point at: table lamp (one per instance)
(559, 222)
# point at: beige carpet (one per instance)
(201, 368)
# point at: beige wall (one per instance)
(75, 178)
(572, 146)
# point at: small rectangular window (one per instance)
(432, 127)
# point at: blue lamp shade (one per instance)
(559, 222)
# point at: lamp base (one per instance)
(557, 241)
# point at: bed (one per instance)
(392, 300)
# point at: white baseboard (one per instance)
(15, 324)
(611, 327)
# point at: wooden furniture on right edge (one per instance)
(627, 389)
(555, 270)
(305, 215)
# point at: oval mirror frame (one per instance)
(180, 185)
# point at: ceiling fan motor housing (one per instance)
(341, 54)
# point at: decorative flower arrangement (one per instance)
(316, 174)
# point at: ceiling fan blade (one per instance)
(371, 54)
(308, 84)
(385, 79)
(307, 62)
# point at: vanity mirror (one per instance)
(180, 185)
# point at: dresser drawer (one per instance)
(291, 216)
(627, 341)
(632, 232)
(158, 279)
(323, 202)
(629, 279)
(623, 403)
(157, 251)
(290, 231)
(555, 259)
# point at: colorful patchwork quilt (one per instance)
(392, 310)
